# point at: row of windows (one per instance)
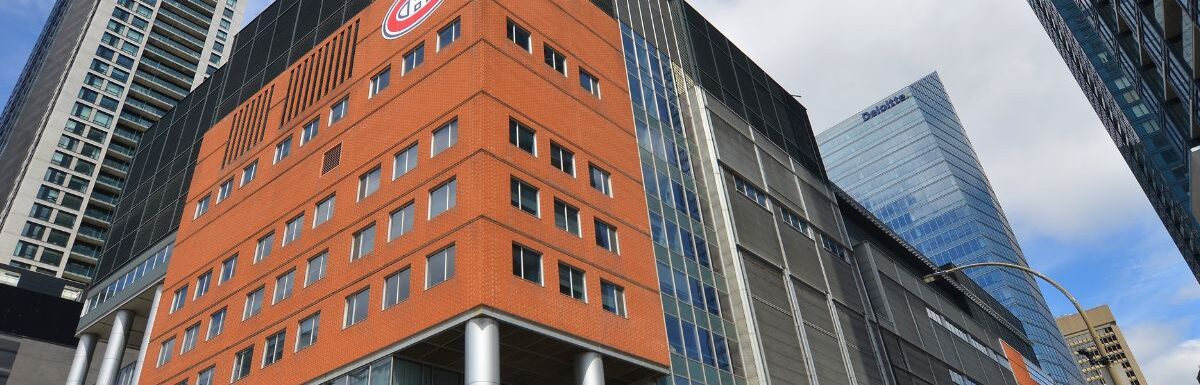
(566, 217)
(553, 58)
(525, 139)
(572, 281)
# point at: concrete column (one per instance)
(110, 365)
(141, 359)
(589, 369)
(482, 352)
(82, 360)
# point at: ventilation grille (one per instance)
(321, 71)
(249, 126)
(333, 158)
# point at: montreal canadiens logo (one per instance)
(406, 15)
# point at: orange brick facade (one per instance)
(483, 80)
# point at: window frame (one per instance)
(620, 307)
(566, 218)
(513, 32)
(314, 332)
(359, 241)
(380, 81)
(369, 183)
(605, 180)
(402, 290)
(451, 199)
(520, 254)
(323, 257)
(517, 189)
(559, 157)
(448, 264)
(517, 134)
(455, 27)
(339, 110)
(569, 289)
(352, 306)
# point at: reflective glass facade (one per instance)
(908, 160)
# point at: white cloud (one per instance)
(1163, 357)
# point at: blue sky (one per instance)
(1075, 207)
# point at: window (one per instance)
(571, 282)
(600, 180)
(202, 283)
(612, 298)
(164, 351)
(216, 324)
(254, 302)
(449, 34)
(202, 205)
(750, 191)
(364, 242)
(562, 159)
(324, 211)
(405, 161)
(189, 338)
(395, 288)
(306, 333)
(206, 376)
(248, 173)
(401, 222)
(283, 286)
(606, 236)
(524, 197)
(282, 150)
(794, 221)
(228, 267)
(439, 267)
(380, 81)
(413, 59)
(263, 249)
(520, 36)
(442, 198)
(179, 298)
(444, 138)
(273, 348)
(527, 264)
(225, 189)
(291, 231)
(338, 110)
(590, 83)
(566, 217)
(310, 131)
(368, 183)
(356, 307)
(555, 60)
(522, 136)
(242, 361)
(315, 269)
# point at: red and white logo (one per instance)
(406, 15)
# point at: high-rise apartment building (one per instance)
(1137, 64)
(908, 160)
(100, 74)
(532, 192)
(1111, 337)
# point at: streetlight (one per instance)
(1118, 378)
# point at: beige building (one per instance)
(1076, 333)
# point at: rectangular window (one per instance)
(179, 298)
(202, 284)
(306, 333)
(562, 159)
(249, 172)
(524, 196)
(164, 351)
(600, 179)
(449, 34)
(612, 298)
(395, 288)
(242, 362)
(522, 136)
(566, 217)
(324, 211)
(368, 183)
(364, 242)
(405, 161)
(202, 205)
(190, 335)
(291, 231)
(527, 264)
(555, 60)
(439, 267)
(315, 270)
(571, 282)
(228, 267)
(263, 248)
(380, 81)
(401, 222)
(606, 236)
(590, 83)
(282, 150)
(444, 138)
(310, 131)
(273, 348)
(750, 191)
(339, 110)
(794, 221)
(254, 302)
(206, 376)
(283, 286)
(442, 198)
(216, 324)
(225, 190)
(357, 306)
(414, 58)
(520, 36)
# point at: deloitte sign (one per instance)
(883, 107)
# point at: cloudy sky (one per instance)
(1073, 203)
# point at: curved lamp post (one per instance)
(1113, 372)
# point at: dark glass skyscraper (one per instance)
(908, 160)
(1137, 64)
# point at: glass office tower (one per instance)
(908, 160)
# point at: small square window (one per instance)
(324, 211)
(443, 198)
(613, 298)
(310, 131)
(395, 288)
(242, 362)
(291, 231)
(444, 138)
(228, 267)
(202, 284)
(225, 190)
(555, 60)
(380, 81)
(449, 34)
(165, 351)
(401, 222)
(368, 183)
(522, 136)
(572, 282)
(600, 180)
(263, 248)
(405, 161)
(306, 333)
(606, 236)
(562, 159)
(524, 197)
(357, 305)
(249, 172)
(339, 110)
(216, 324)
(282, 150)
(439, 267)
(179, 299)
(273, 348)
(364, 242)
(527, 264)
(520, 36)
(202, 205)
(254, 302)
(283, 286)
(315, 270)
(414, 58)
(190, 335)
(566, 217)
(590, 83)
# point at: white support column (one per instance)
(141, 359)
(589, 369)
(82, 360)
(114, 351)
(482, 352)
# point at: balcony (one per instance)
(171, 58)
(87, 272)
(177, 91)
(130, 136)
(92, 234)
(196, 16)
(175, 48)
(122, 151)
(141, 91)
(110, 181)
(105, 199)
(178, 21)
(116, 166)
(85, 252)
(172, 31)
(165, 70)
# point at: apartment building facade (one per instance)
(1111, 338)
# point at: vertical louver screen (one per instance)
(249, 126)
(321, 71)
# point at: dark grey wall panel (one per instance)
(781, 345)
(755, 226)
(766, 282)
(827, 357)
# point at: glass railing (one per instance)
(188, 10)
(86, 250)
(111, 181)
(80, 269)
(150, 108)
(154, 36)
(183, 23)
(122, 167)
(126, 133)
(149, 77)
(170, 57)
(125, 115)
(180, 75)
(105, 198)
(198, 43)
(120, 149)
(154, 94)
(93, 232)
